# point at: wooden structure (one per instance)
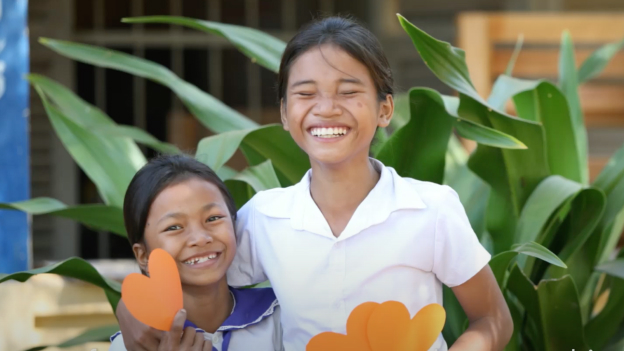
(489, 39)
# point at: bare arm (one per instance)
(491, 325)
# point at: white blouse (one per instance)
(404, 241)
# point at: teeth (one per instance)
(200, 259)
(332, 132)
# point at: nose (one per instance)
(326, 106)
(200, 237)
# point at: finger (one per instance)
(188, 338)
(149, 339)
(198, 343)
(177, 328)
(207, 345)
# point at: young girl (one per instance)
(353, 230)
(180, 205)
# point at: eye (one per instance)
(173, 227)
(349, 92)
(213, 218)
(304, 94)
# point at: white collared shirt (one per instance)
(404, 241)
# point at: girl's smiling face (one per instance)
(190, 220)
(331, 106)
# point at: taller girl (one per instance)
(353, 230)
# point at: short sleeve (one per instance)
(246, 268)
(458, 253)
(117, 343)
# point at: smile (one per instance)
(197, 260)
(332, 132)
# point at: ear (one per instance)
(386, 110)
(141, 255)
(283, 114)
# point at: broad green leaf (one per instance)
(455, 316)
(547, 197)
(76, 268)
(568, 81)
(487, 136)
(511, 174)
(211, 112)
(506, 87)
(448, 63)
(92, 335)
(260, 177)
(226, 172)
(536, 250)
(547, 104)
(260, 47)
(553, 306)
(241, 192)
(418, 149)
(268, 142)
(96, 216)
(602, 327)
(401, 111)
(98, 156)
(85, 115)
(598, 60)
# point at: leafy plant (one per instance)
(525, 188)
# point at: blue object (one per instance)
(14, 148)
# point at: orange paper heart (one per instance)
(384, 327)
(390, 327)
(356, 338)
(156, 299)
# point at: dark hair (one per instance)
(160, 173)
(351, 37)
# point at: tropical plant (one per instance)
(525, 188)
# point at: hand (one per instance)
(188, 339)
(136, 335)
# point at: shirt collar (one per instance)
(250, 307)
(390, 194)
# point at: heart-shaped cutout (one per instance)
(391, 329)
(356, 338)
(156, 299)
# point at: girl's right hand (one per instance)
(179, 339)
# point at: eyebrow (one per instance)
(342, 80)
(179, 214)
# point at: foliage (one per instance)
(525, 188)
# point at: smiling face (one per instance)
(190, 220)
(331, 107)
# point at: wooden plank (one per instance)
(546, 28)
(542, 63)
(474, 37)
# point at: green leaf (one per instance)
(98, 157)
(536, 250)
(568, 81)
(98, 334)
(614, 268)
(553, 306)
(85, 115)
(611, 181)
(549, 195)
(211, 112)
(598, 60)
(262, 48)
(380, 138)
(487, 136)
(507, 87)
(418, 149)
(499, 264)
(260, 177)
(96, 216)
(270, 142)
(401, 111)
(448, 63)
(76, 268)
(514, 55)
(139, 136)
